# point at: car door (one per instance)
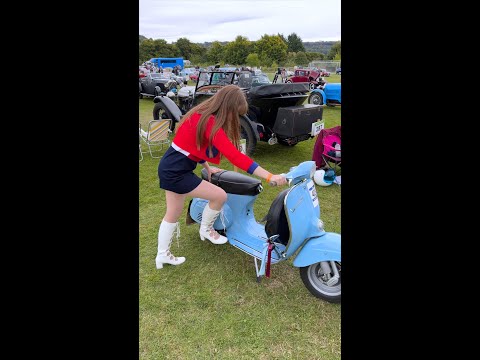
(149, 84)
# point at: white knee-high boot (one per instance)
(206, 227)
(165, 238)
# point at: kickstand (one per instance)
(256, 270)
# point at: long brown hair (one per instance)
(227, 105)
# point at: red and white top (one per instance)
(185, 142)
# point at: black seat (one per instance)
(235, 183)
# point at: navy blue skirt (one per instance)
(175, 172)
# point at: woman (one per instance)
(206, 132)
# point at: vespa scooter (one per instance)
(292, 224)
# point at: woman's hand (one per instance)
(212, 170)
(277, 180)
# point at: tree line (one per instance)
(269, 51)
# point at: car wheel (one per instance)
(247, 133)
(289, 81)
(315, 98)
(161, 112)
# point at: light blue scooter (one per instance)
(293, 223)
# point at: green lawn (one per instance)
(211, 306)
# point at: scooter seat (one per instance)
(235, 183)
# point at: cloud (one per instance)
(209, 20)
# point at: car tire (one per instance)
(160, 111)
(315, 98)
(247, 133)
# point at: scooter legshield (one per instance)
(196, 210)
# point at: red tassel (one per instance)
(269, 258)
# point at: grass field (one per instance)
(211, 307)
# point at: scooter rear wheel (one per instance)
(315, 281)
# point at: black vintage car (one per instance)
(276, 113)
(152, 84)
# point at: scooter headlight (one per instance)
(320, 225)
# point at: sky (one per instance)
(209, 20)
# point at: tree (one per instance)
(314, 56)
(301, 59)
(271, 48)
(216, 52)
(156, 48)
(198, 52)
(283, 38)
(236, 52)
(252, 60)
(185, 47)
(334, 50)
(295, 44)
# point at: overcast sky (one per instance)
(210, 20)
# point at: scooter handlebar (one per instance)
(274, 183)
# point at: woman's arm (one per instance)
(223, 144)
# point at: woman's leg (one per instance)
(167, 228)
(216, 197)
(174, 206)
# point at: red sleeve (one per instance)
(223, 144)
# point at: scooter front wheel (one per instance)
(323, 280)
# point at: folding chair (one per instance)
(324, 151)
(157, 134)
(332, 154)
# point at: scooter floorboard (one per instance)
(252, 241)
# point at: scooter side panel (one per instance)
(223, 221)
(324, 248)
(303, 212)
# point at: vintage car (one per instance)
(187, 72)
(324, 72)
(152, 84)
(329, 94)
(306, 75)
(276, 111)
(247, 79)
(194, 76)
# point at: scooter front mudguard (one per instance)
(324, 248)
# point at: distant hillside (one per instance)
(318, 46)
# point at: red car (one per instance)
(194, 76)
(306, 75)
(324, 72)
